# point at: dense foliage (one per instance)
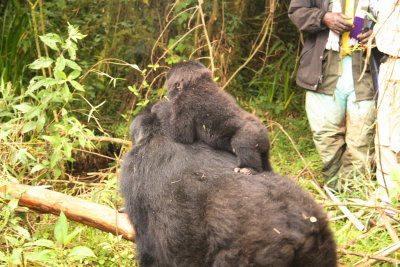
(74, 70)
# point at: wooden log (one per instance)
(76, 209)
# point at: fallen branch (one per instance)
(375, 257)
(345, 211)
(371, 259)
(76, 209)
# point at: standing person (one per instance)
(387, 140)
(339, 106)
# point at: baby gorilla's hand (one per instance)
(246, 171)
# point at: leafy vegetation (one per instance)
(73, 70)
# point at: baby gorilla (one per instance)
(199, 110)
(189, 209)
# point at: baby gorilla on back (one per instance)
(198, 109)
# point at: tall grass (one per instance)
(15, 42)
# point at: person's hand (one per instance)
(337, 22)
(364, 37)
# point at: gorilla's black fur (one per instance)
(199, 109)
(190, 209)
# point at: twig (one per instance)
(313, 180)
(392, 232)
(337, 218)
(166, 27)
(109, 139)
(42, 27)
(360, 205)
(206, 35)
(375, 257)
(303, 170)
(345, 211)
(371, 259)
(94, 153)
(35, 31)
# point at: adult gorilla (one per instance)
(190, 209)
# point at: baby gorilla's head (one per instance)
(185, 74)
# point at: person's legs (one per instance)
(342, 128)
(327, 121)
(360, 118)
(387, 138)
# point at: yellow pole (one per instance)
(348, 11)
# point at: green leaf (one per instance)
(67, 150)
(31, 125)
(57, 173)
(40, 243)
(42, 62)
(5, 114)
(51, 139)
(77, 86)
(15, 242)
(41, 256)
(73, 75)
(37, 168)
(66, 94)
(61, 229)
(71, 48)
(22, 232)
(40, 123)
(80, 252)
(24, 107)
(60, 63)
(51, 40)
(72, 235)
(43, 82)
(16, 256)
(60, 75)
(72, 65)
(54, 158)
(74, 33)
(34, 112)
(13, 204)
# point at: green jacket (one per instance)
(319, 69)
